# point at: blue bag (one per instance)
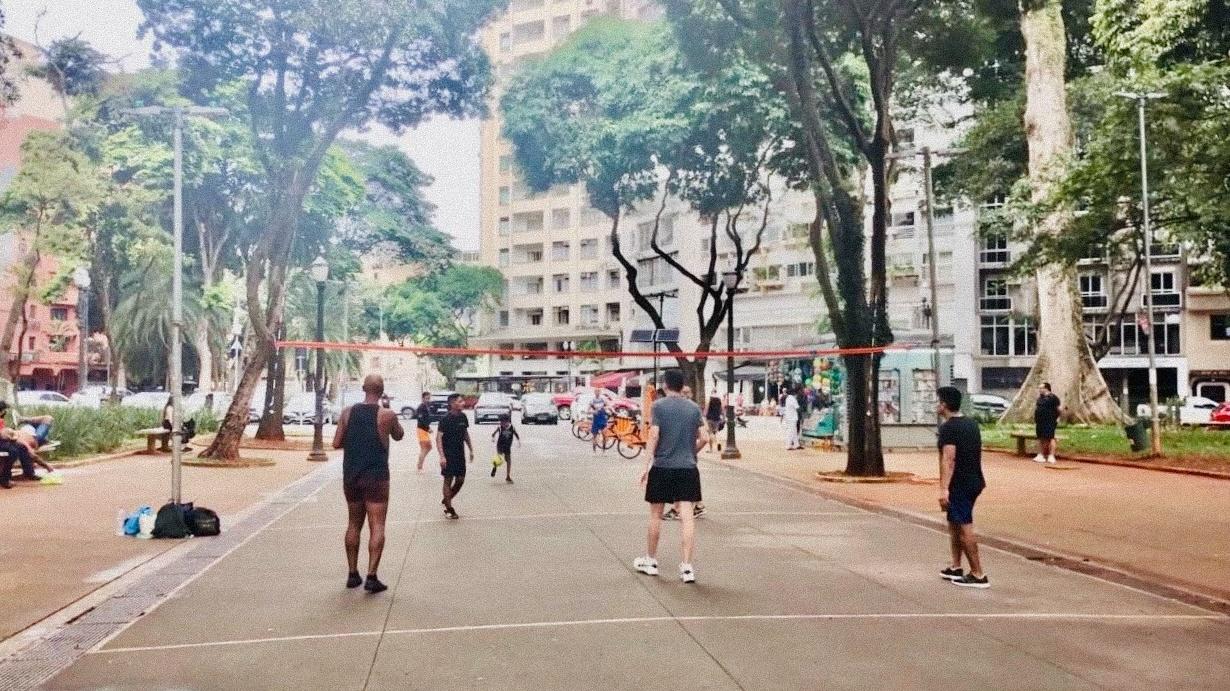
(132, 524)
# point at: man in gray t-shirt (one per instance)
(670, 475)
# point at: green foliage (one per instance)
(85, 431)
(72, 66)
(8, 50)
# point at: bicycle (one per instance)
(628, 438)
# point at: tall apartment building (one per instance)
(563, 290)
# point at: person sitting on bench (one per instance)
(17, 447)
(38, 427)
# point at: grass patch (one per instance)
(90, 432)
(1179, 444)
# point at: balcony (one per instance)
(1094, 301)
(1168, 300)
(999, 303)
(994, 258)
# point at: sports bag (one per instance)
(170, 522)
(204, 522)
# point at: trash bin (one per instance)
(1138, 435)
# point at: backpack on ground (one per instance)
(170, 522)
(204, 522)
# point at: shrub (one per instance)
(84, 431)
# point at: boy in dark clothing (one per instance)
(961, 481)
(504, 437)
(1046, 419)
(453, 439)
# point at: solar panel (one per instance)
(667, 335)
(641, 336)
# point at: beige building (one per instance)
(1207, 323)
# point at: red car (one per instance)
(1221, 416)
(563, 402)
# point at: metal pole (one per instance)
(177, 317)
(345, 338)
(318, 443)
(1144, 203)
(83, 332)
(731, 451)
(931, 273)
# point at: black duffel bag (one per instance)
(204, 522)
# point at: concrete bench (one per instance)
(1022, 437)
(155, 434)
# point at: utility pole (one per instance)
(1141, 99)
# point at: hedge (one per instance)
(86, 431)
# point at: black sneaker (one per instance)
(451, 513)
(969, 580)
(354, 580)
(493, 469)
(698, 511)
(670, 515)
(373, 585)
(951, 574)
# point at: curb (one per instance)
(91, 460)
(1087, 567)
(1177, 470)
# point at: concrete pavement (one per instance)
(533, 588)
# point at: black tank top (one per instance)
(362, 452)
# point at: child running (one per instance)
(503, 445)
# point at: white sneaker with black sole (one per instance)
(686, 573)
(646, 565)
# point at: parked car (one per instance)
(614, 404)
(538, 408)
(439, 405)
(93, 396)
(491, 407)
(1221, 416)
(1194, 410)
(146, 399)
(200, 400)
(42, 398)
(988, 404)
(300, 409)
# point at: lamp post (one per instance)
(730, 279)
(320, 274)
(1141, 99)
(177, 279)
(81, 279)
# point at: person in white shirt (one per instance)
(790, 420)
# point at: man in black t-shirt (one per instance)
(1046, 419)
(961, 481)
(422, 419)
(452, 439)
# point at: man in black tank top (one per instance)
(363, 433)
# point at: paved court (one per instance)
(533, 588)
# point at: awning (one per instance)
(612, 380)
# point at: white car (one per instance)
(93, 396)
(300, 409)
(41, 398)
(200, 400)
(1195, 410)
(492, 406)
(538, 408)
(155, 400)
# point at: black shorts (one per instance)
(366, 488)
(454, 467)
(961, 506)
(669, 485)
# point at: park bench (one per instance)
(155, 434)
(1022, 437)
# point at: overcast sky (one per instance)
(445, 149)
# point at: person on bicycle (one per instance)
(598, 420)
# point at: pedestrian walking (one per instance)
(713, 419)
(422, 423)
(1046, 419)
(790, 421)
(453, 439)
(961, 481)
(504, 436)
(363, 433)
(670, 475)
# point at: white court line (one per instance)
(522, 516)
(1028, 616)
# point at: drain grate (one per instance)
(69, 643)
(19, 675)
(119, 610)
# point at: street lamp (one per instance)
(81, 279)
(1141, 99)
(730, 280)
(177, 280)
(320, 274)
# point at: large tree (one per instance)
(312, 69)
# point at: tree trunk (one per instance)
(226, 443)
(204, 354)
(270, 427)
(1064, 359)
(17, 309)
(864, 454)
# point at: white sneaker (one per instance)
(646, 565)
(686, 574)
(1050, 459)
(1039, 459)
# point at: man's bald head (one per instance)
(373, 385)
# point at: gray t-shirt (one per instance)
(677, 420)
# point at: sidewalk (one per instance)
(59, 543)
(1173, 529)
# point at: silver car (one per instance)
(491, 407)
(538, 408)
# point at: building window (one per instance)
(1219, 327)
(1162, 285)
(612, 279)
(535, 318)
(59, 314)
(1093, 295)
(589, 248)
(1095, 328)
(504, 318)
(1125, 338)
(798, 231)
(505, 195)
(561, 316)
(58, 344)
(561, 219)
(589, 315)
(1166, 337)
(505, 42)
(505, 225)
(994, 250)
(612, 312)
(903, 218)
(534, 255)
(503, 257)
(560, 281)
(589, 281)
(528, 32)
(995, 296)
(559, 250)
(1004, 335)
(561, 25)
(30, 343)
(505, 163)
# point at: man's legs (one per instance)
(448, 493)
(688, 530)
(954, 543)
(376, 514)
(424, 449)
(969, 545)
(458, 481)
(655, 530)
(354, 526)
